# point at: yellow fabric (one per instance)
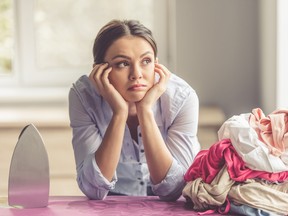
(254, 193)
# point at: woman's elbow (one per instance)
(93, 193)
(171, 197)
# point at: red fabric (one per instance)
(208, 163)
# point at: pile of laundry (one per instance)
(246, 171)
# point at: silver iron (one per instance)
(29, 182)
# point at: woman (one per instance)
(134, 123)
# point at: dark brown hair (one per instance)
(116, 29)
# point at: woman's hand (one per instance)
(99, 77)
(157, 89)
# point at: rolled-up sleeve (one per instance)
(171, 187)
(91, 181)
(183, 144)
(86, 140)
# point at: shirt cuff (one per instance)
(92, 182)
(171, 187)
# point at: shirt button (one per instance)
(141, 183)
(140, 135)
(142, 150)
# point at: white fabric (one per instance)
(245, 140)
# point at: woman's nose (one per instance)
(135, 73)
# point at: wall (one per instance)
(282, 52)
(268, 54)
(217, 51)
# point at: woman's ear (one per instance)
(156, 60)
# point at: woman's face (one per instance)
(132, 60)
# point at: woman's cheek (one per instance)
(112, 78)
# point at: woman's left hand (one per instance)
(157, 89)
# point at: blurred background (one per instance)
(232, 52)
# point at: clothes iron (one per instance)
(28, 185)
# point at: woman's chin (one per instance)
(135, 98)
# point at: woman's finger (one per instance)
(163, 72)
(96, 74)
(105, 77)
(99, 71)
(163, 68)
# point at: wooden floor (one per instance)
(57, 137)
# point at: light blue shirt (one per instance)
(176, 114)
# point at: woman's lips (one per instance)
(137, 87)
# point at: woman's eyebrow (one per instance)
(127, 57)
(148, 52)
(121, 56)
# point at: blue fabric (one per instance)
(247, 210)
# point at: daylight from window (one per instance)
(6, 37)
(47, 45)
(64, 37)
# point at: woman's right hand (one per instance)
(99, 77)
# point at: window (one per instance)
(52, 42)
(6, 37)
(282, 53)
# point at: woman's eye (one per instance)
(146, 61)
(122, 64)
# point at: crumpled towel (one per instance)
(271, 129)
(255, 153)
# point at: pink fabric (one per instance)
(272, 129)
(208, 163)
(111, 206)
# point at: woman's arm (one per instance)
(97, 155)
(182, 142)
(158, 157)
(169, 159)
(108, 154)
(86, 139)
